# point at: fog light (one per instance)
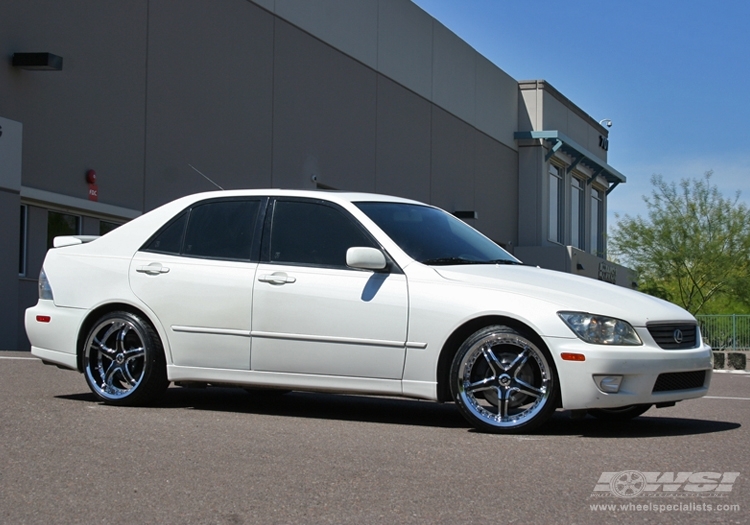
(608, 384)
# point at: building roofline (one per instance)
(529, 85)
(579, 153)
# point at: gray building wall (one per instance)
(90, 114)
(402, 42)
(373, 95)
(11, 134)
(208, 97)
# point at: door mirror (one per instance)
(364, 258)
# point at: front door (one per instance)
(314, 315)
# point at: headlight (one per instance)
(600, 330)
(45, 290)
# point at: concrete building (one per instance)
(105, 106)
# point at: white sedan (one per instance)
(360, 293)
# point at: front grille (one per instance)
(674, 336)
(680, 381)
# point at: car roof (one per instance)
(330, 195)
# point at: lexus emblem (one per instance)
(677, 335)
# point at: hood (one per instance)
(568, 292)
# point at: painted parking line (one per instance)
(19, 358)
(723, 397)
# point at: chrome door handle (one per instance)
(152, 269)
(277, 278)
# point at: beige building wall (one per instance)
(544, 109)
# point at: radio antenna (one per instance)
(205, 177)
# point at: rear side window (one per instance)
(169, 238)
(221, 229)
(312, 233)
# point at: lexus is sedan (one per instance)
(285, 290)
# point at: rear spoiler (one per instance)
(70, 240)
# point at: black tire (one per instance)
(503, 382)
(619, 414)
(123, 360)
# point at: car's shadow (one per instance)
(398, 411)
(644, 426)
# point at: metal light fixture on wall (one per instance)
(38, 61)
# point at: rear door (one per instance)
(196, 274)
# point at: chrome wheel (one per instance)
(503, 382)
(123, 360)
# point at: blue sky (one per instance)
(674, 78)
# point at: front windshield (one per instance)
(433, 236)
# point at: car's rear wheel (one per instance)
(503, 382)
(123, 360)
(619, 414)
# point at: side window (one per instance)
(221, 229)
(169, 239)
(312, 233)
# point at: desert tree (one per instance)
(692, 248)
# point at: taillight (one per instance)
(45, 290)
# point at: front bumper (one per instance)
(639, 366)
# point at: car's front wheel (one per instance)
(123, 360)
(619, 414)
(503, 382)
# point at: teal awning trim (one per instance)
(580, 154)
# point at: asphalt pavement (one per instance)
(224, 456)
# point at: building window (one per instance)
(22, 241)
(61, 224)
(556, 205)
(577, 221)
(106, 227)
(597, 223)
